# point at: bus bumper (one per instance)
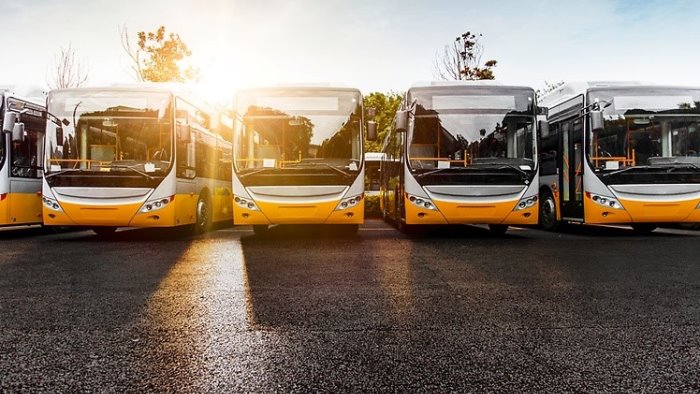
(109, 215)
(470, 213)
(306, 213)
(643, 212)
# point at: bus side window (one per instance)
(185, 151)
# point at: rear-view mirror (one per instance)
(597, 121)
(8, 122)
(18, 132)
(59, 135)
(401, 121)
(371, 131)
(542, 111)
(543, 126)
(184, 133)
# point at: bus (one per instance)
(623, 153)
(22, 114)
(146, 155)
(462, 152)
(298, 156)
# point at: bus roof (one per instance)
(570, 90)
(437, 85)
(318, 87)
(32, 94)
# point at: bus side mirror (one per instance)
(543, 125)
(401, 121)
(597, 121)
(371, 131)
(8, 122)
(184, 133)
(542, 111)
(18, 132)
(59, 134)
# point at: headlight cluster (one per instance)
(421, 202)
(51, 204)
(525, 203)
(349, 202)
(155, 205)
(608, 202)
(243, 203)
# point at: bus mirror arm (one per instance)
(371, 131)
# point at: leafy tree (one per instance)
(461, 60)
(385, 105)
(157, 56)
(67, 70)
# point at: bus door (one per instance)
(571, 171)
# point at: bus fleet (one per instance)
(476, 152)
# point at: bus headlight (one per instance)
(608, 202)
(51, 204)
(155, 205)
(526, 203)
(349, 202)
(245, 203)
(421, 202)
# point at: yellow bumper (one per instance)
(643, 212)
(298, 213)
(471, 213)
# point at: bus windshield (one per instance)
(485, 128)
(646, 128)
(110, 131)
(298, 128)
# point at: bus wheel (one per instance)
(261, 229)
(104, 231)
(203, 223)
(548, 213)
(498, 229)
(643, 228)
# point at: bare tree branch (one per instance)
(133, 53)
(67, 70)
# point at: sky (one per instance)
(375, 45)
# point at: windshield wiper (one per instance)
(309, 165)
(67, 170)
(624, 170)
(144, 174)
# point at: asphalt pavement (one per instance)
(310, 309)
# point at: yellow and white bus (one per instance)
(20, 157)
(148, 155)
(298, 156)
(621, 153)
(462, 153)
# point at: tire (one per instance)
(261, 229)
(548, 213)
(498, 229)
(203, 213)
(644, 228)
(104, 231)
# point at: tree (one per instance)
(548, 88)
(461, 60)
(67, 70)
(157, 57)
(385, 105)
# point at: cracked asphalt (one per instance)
(307, 309)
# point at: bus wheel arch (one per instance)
(548, 210)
